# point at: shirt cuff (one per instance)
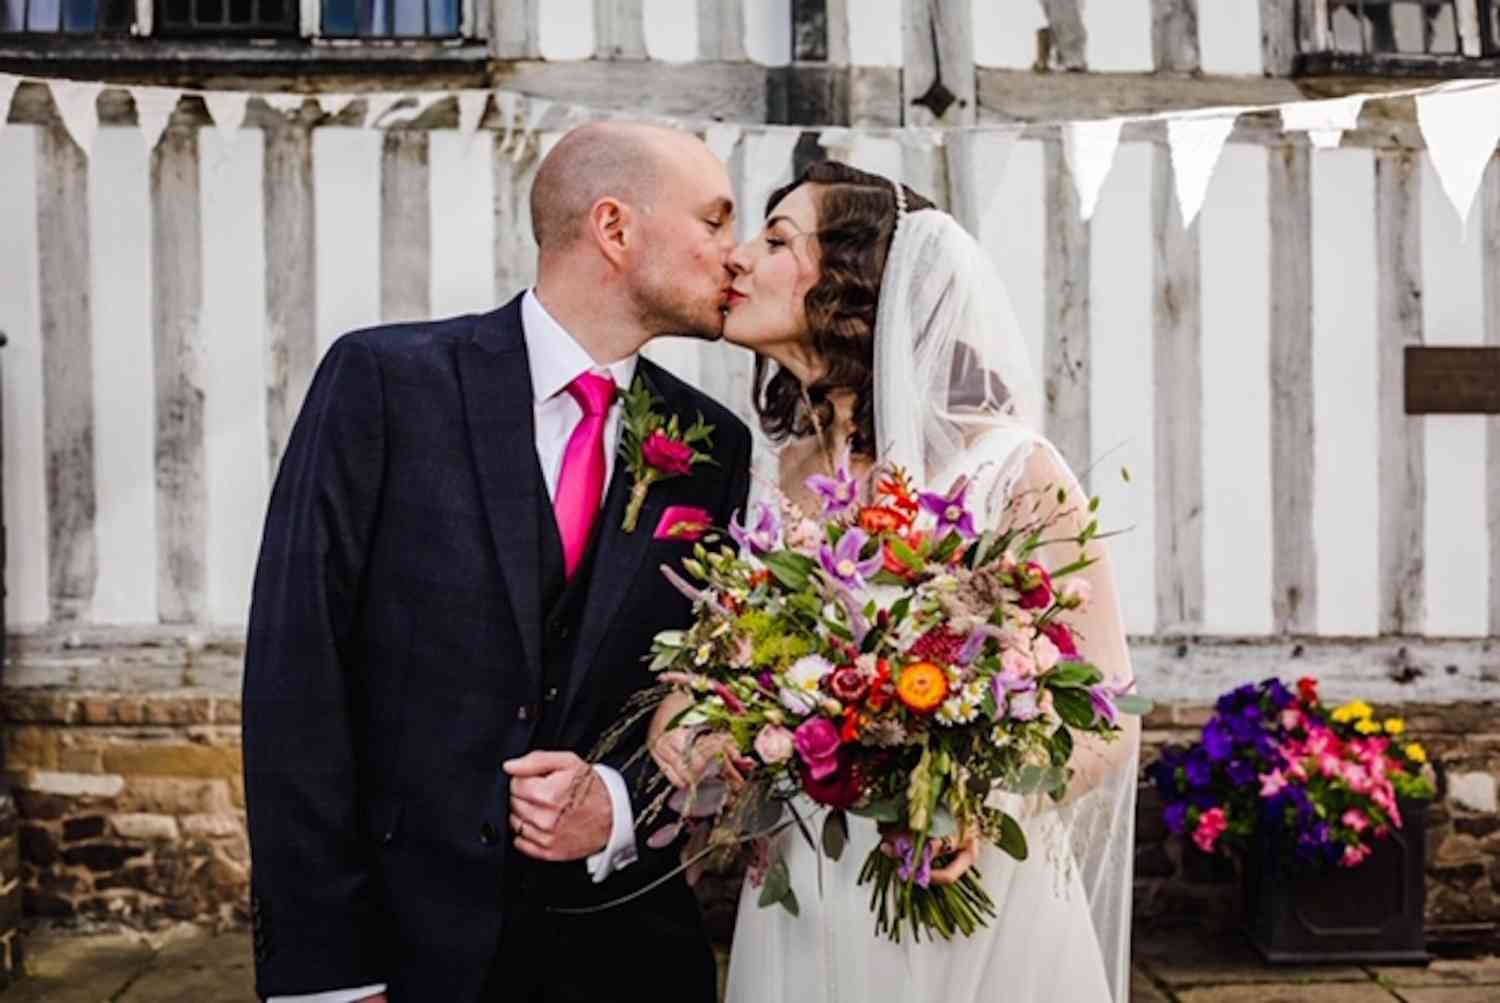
(619, 852)
(333, 995)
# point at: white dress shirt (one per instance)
(556, 360)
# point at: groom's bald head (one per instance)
(626, 161)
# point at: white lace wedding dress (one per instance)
(954, 394)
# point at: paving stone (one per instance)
(1282, 992)
(1449, 994)
(1143, 990)
(1444, 972)
(63, 969)
(192, 970)
(1188, 957)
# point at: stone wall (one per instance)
(132, 809)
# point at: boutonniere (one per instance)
(655, 447)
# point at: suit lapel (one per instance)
(617, 559)
(496, 384)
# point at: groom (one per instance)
(447, 614)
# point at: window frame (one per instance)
(473, 27)
(1317, 57)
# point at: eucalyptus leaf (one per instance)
(1074, 674)
(778, 884)
(888, 810)
(835, 834)
(1130, 703)
(1012, 837)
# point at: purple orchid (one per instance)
(952, 510)
(910, 866)
(1103, 697)
(858, 625)
(840, 492)
(842, 563)
(975, 642)
(764, 536)
(1015, 696)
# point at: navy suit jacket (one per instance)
(394, 656)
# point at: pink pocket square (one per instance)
(683, 522)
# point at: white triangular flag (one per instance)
(722, 138)
(1323, 121)
(8, 85)
(377, 104)
(333, 104)
(284, 103)
(227, 109)
(979, 157)
(1196, 144)
(77, 104)
(471, 105)
(536, 110)
(1460, 129)
(153, 109)
(1089, 148)
(424, 100)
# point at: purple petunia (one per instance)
(1175, 815)
(839, 493)
(843, 564)
(1217, 741)
(764, 536)
(952, 510)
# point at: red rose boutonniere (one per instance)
(656, 448)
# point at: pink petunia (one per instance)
(1356, 820)
(1211, 825)
(1354, 856)
(1272, 783)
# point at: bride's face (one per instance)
(773, 272)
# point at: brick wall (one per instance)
(132, 808)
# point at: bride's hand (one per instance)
(966, 848)
(682, 755)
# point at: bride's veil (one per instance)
(954, 389)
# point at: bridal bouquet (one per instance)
(1330, 778)
(889, 659)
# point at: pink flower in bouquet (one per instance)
(1354, 855)
(1046, 654)
(1062, 636)
(773, 745)
(840, 789)
(1035, 586)
(1075, 593)
(1211, 825)
(1356, 820)
(817, 742)
(1272, 783)
(848, 684)
(667, 454)
(1015, 662)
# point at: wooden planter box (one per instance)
(1367, 914)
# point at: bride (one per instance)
(883, 335)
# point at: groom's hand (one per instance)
(559, 808)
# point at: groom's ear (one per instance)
(610, 224)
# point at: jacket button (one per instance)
(551, 694)
(388, 837)
(488, 835)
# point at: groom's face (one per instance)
(682, 279)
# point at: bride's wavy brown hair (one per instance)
(856, 221)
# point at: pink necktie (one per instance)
(581, 484)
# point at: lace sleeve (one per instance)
(1097, 817)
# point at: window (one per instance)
(222, 18)
(231, 19)
(390, 18)
(1414, 32)
(72, 17)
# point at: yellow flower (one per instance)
(1366, 727)
(1354, 710)
(1416, 753)
(1394, 726)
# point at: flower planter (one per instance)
(1366, 914)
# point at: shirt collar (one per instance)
(556, 358)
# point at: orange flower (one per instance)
(879, 695)
(922, 687)
(850, 731)
(896, 565)
(877, 519)
(759, 577)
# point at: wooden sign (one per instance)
(1452, 380)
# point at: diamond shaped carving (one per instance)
(938, 98)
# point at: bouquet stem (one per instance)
(898, 903)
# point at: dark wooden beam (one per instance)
(1443, 380)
